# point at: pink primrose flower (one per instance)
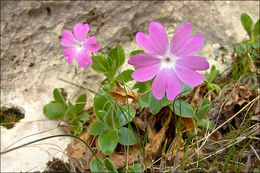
(169, 64)
(78, 46)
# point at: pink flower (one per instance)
(169, 64)
(77, 46)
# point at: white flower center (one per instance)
(168, 60)
(79, 46)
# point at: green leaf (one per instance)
(124, 115)
(109, 165)
(116, 58)
(190, 135)
(135, 168)
(59, 98)
(185, 89)
(213, 73)
(102, 101)
(144, 100)
(202, 111)
(256, 46)
(80, 103)
(54, 110)
(206, 124)
(210, 86)
(96, 166)
(107, 141)
(243, 47)
(100, 65)
(76, 126)
(156, 105)
(257, 30)
(108, 87)
(71, 112)
(240, 48)
(217, 88)
(183, 109)
(247, 23)
(126, 136)
(125, 76)
(84, 116)
(135, 52)
(205, 102)
(143, 86)
(109, 118)
(97, 127)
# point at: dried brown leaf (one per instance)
(156, 140)
(187, 124)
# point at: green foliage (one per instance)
(247, 23)
(102, 101)
(248, 50)
(100, 65)
(110, 65)
(134, 168)
(107, 141)
(205, 123)
(59, 98)
(84, 116)
(148, 100)
(54, 110)
(183, 109)
(126, 136)
(109, 165)
(96, 166)
(185, 89)
(58, 109)
(76, 126)
(201, 112)
(124, 115)
(212, 76)
(156, 105)
(143, 86)
(125, 76)
(109, 125)
(116, 58)
(135, 52)
(97, 127)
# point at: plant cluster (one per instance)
(159, 69)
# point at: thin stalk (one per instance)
(49, 137)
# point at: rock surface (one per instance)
(31, 58)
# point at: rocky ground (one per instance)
(31, 58)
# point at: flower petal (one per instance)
(90, 44)
(160, 84)
(91, 40)
(181, 35)
(188, 76)
(92, 47)
(174, 87)
(143, 59)
(145, 73)
(159, 36)
(70, 53)
(68, 35)
(193, 62)
(157, 42)
(81, 31)
(191, 46)
(67, 43)
(84, 59)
